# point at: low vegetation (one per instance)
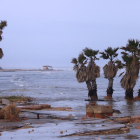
(17, 99)
(10, 112)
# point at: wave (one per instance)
(64, 68)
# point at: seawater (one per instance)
(61, 89)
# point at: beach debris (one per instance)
(29, 131)
(105, 130)
(98, 111)
(28, 123)
(44, 106)
(11, 112)
(137, 127)
(0, 133)
(5, 102)
(1, 127)
(1, 114)
(70, 116)
(17, 99)
(36, 107)
(60, 108)
(108, 98)
(137, 98)
(61, 132)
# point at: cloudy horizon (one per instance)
(53, 32)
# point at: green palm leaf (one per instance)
(81, 58)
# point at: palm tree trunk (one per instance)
(88, 87)
(110, 88)
(139, 93)
(92, 90)
(129, 94)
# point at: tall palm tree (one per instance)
(131, 63)
(110, 69)
(87, 71)
(92, 72)
(2, 25)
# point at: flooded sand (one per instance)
(61, 89)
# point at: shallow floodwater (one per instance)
(61, 89)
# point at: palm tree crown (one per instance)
(109, 53)
(110, 69)
(87, 71)
(2, 25)
(130, 56)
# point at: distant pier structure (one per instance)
(47, 67)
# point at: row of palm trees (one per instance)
(87, 70)
(2, 25)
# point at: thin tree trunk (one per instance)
(110, 88)
(94, 95)
(88, 87)
(92, 90)
(129, 94)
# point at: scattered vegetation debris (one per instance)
(36, 107)
(100, 132)
(11, 112)
(61, 132)
(18, 99)
(137, 127)
(1, 114)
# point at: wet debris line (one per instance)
(104, 130)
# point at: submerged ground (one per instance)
(61, 89)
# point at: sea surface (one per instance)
(61, 89)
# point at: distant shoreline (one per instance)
(14, 70)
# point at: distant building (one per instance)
(46, 67)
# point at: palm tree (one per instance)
(2, 25)
(110, 69)
(131, 64)
(87, 71)
(92, 72)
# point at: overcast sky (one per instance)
(52, 32)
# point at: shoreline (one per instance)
(14, 70)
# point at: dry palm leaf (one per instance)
(1, 53)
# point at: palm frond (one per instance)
(81, 58)
(90, 53)
(121, 74)
(104, 55)
(109, 53)
(119, 64)
(0, 37)
(74, 61)
(3, 24)
(1, 53)
(1, 32)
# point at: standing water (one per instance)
(60, 88)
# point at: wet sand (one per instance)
(56, 124)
